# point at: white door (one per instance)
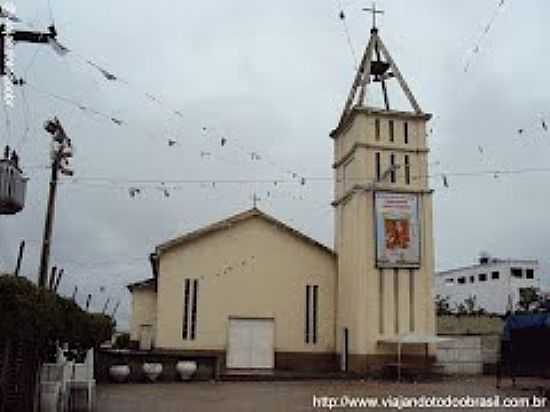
(251, 344)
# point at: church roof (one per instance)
(235, 219)
(142, 284)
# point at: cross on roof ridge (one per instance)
(374, 12)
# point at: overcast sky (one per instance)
(270, 78)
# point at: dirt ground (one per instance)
(299, 396)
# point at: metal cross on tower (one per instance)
(374, 12)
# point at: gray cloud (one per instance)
(272, 78)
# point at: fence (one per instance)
(19, 364)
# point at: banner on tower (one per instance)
(397, 230)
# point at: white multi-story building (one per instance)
(495, 283)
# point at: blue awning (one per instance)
(532, 320)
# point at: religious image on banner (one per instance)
(397, 230)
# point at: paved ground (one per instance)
(290, 396)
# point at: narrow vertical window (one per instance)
(315, 311)
(377, 129)
(312, 313)
(194, 309)
(412, 303)
(407, 170)
(392, 130)
(381, 301)
(185, 330)
(307, 313)
(406, 132)
(392, 165)
(396, 298)
(377, 165)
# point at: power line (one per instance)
(307, 179)
(342, 16)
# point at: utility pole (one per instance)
(60, 154)
(25, 36)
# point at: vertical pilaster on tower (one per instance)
(383, 213)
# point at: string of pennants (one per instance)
(110, 76)
(220, 140)
(223, 140)
(166, 189)
(136, 189)
(487, 28)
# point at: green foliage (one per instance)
(442, 305)
(122, 341)
(529, 299)
(41, 316)
(469, 307)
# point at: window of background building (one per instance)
(377, 165)
(472, 279)
(529, 273)
(392, 130)
(406, 132)
(516, 272)
(495, 275)
(461, 280)
(482, 277)
(377, 129)
(450, 281)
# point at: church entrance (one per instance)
(251, 343)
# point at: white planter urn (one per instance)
(119, 373)
(186, 369)
(152, 371)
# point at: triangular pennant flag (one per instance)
(108, 75)
(58, 47)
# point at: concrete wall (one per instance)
(252, 269)
(144, 311)
(469, 325)
(461, 356)
(476, 344)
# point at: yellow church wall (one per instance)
(266, 273)
(144, 310)
(355, 148)
(363, 309)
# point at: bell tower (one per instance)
(383, 213)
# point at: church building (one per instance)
(257, 294)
